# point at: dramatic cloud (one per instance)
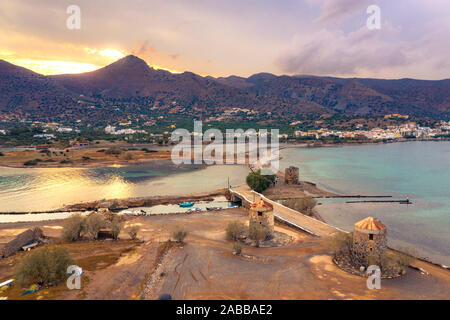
(336, 10)
(328, 52)
(220, 38)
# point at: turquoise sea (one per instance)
(417, 170)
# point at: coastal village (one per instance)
(135, 133)
(410, 129)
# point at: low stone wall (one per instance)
(26, 237)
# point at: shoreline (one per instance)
(166, 154)
(87, 165)
(126, 203)
(355, 143)
(159, 200)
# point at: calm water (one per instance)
(35, 189)
(420, 170)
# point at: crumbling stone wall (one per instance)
(26, 237)
(366, 244)
(291, 175)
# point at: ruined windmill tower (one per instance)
(369, 239)
(261, 213)
(291, 175)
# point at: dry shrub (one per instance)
(237, 248)
(258, 233)
(179, 234)
(235, 230)
(341, 243)
(303, 205)
(116, 227)
(114, 150)
(94, 222)
(73, 227)
(132, 231)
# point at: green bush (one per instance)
(94, 222)
(132, 231)
(179, 234)
(44, 266)
(258, 182)
(235, 230)
(73, 227)
(65, 161)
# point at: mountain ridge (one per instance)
(132, 79)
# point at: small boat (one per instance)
(186, 204)
(194, 210)
(212, 208)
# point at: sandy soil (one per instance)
(92, 157)
(205, 267)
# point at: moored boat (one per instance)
(186, 204)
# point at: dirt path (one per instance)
(124, 279)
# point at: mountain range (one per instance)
(131, 81)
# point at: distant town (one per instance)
(157, 129)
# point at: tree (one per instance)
(235, 230)
(258, 182)
(303, 205)
(116, 227)
(73, 227)
(44, 266)
(94, 222)
(179, 234)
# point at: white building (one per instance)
(110, 129)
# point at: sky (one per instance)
(232, 37)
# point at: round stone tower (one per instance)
(369, 239)
(261, 213)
